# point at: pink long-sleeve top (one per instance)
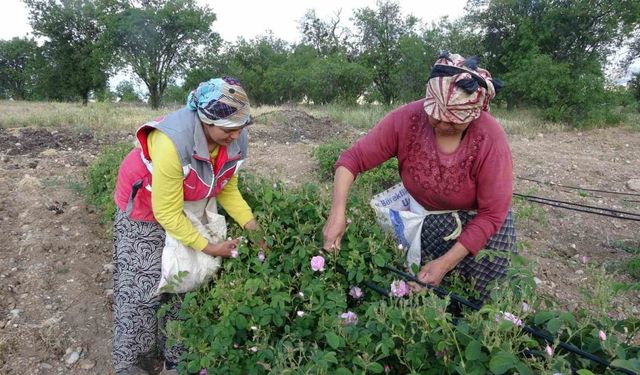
(476, 176)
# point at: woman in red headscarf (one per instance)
(452, 156)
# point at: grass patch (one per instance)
(100, 117)
(101, 180)
(632, 267)
(628, 246)
(525, 211)
(360, 117)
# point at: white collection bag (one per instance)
(400, 214)
(176, 257)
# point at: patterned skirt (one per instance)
(137, 257)
(478, 270)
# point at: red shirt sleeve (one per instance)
(493, 192)
(378, 146)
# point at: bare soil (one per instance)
(55, 256)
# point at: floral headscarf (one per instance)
(221, 102)
(458, 90)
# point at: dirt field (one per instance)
(55, 259)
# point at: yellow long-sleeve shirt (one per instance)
(167, 195)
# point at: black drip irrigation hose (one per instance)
(581, 207)
(578, 187)
(532, 331)
(442, 292)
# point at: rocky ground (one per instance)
(55, 256)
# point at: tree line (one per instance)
(550, 53)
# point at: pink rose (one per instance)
(356, 292)
(349, 317)
(510, 317)
(399, 288)
(234, 253)
(261, 256)
(317, 263)
(549, 350)
(602, 335)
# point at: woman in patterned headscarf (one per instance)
(452, 156)
(191, 155)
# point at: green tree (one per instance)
(159, 39)
(262, 66)
(552, 37)
(327, 37)
(334, 79)
(19, 59)
(175, 95)
(634, 87)
(380, 31)
(76, 58)
(127, 92)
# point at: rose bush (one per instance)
(285, 311)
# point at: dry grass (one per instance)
(105, 117)
(100, 117)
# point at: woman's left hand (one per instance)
(433, 272)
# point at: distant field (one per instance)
(109, 116)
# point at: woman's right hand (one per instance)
(221, 249)
(333, 230)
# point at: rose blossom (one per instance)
(300, 313)
(254, 349)
(508, 316)
(549, 350)
(356, 292)
(317, 263)
(399, 288)
(349, 317)
(234, 253)
(602, 335)
(261, 256)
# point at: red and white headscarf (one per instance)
(458, 90)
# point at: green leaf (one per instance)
(268, 196)
(622, 363)
(473, 350)
(241, 321)
(584, 372)
(501, 362)
(378, 260)
(330, 357)
(333, 340)
(523, 369)
(543, 316)
(193, 366)
(554, 325)
(375, 367)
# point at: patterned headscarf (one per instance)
(221, 102)
(458, 90)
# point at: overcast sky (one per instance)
(249, 18)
